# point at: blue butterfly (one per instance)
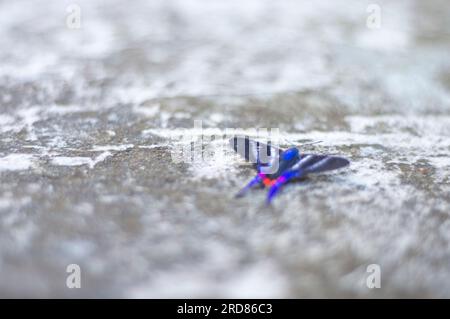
(276, 167)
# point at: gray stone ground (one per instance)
(86, 136)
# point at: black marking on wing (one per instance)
(255, 152)
(311, 163)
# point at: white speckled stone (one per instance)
(87, 125)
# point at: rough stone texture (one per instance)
(86, 137)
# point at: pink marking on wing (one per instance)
(281, 179)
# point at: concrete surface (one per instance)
(87, 124)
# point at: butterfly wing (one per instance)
(255, 152)
(311, 163)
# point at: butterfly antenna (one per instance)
(297, 145)
(311, 143)
(288, 142)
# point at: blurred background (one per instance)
(91, 91)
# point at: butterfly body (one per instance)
(276, 167)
